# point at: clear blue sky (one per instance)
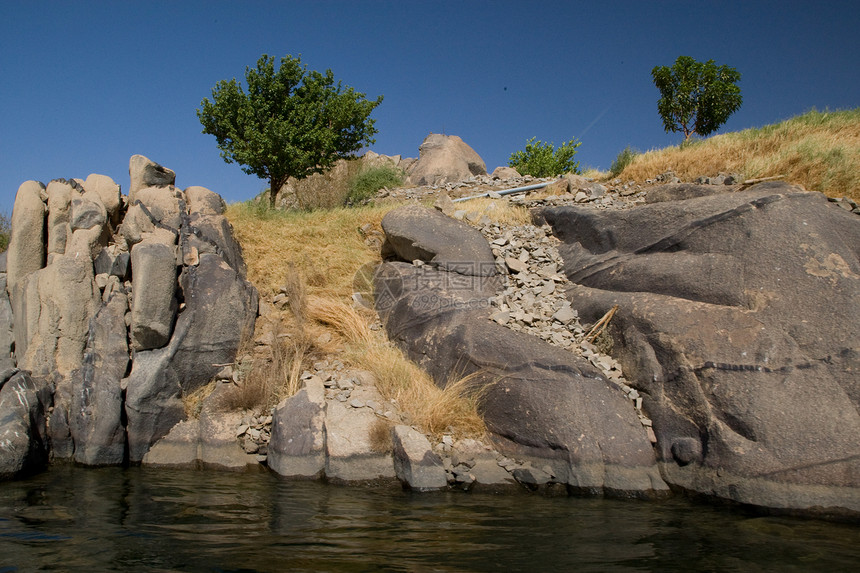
(85, 85)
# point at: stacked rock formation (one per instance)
(120, 305)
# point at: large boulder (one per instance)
(220, 307)
(737, 323)
(540, 403)
(297, 446)
(415, 463)
(96, 424)
(23, 433)
(26, 251)
(443, 159)
(413, 232)
(154, 305)
(144, 172)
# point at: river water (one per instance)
(112, 519)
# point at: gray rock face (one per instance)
(737, 324)
(7, 336)
(220, 307)
(414, 232)
(540, 403)
(74, 309)
(153, 306)
(23, 434)
(144, 172)
(153, 403)
(297, 446)
(96, 408)
(26, 252)
(414, 461)
(208, 441)
(444, 158)
(350, 455)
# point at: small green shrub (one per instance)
(625, 158)
(372, 179)
(541, 159)
(5, 231)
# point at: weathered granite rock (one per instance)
(415, 232)
(66, 298)
(26, 252)
(504, 172)
(144, 172)
(59, 207)
(206, 441)
(539, 402)
(414, 461)
(97, 403)
(70, 316)
(109, 193)
(737, 324)
(23, 434)
(350, 456)
(153, 403)
(297, 447)
(154, 306)
(444, 158)
(7, 337)
(220, 307)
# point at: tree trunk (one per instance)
(274, 187)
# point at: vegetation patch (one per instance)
(818, 150)
(371, 179)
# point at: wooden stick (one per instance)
(600, 325)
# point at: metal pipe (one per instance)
(506, 191)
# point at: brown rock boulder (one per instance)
(443, 159)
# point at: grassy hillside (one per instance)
(819, 150)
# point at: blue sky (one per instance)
(85, 85)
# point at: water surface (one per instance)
(75, 519)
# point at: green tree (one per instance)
(696, 97)
(541, 159)
(291, 122)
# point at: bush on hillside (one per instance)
(371, 179)
(625, 157)
(541, 159)
(5, 231)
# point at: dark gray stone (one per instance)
(737, 323)
(96, 409)
(23, 432)
(540, 403)
(220, 309)
(297, 446)
(415, 232)
(153, 403)
(415, 463)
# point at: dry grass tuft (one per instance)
(499, 211)
(380, 437)
(193, 402)
(818, 150)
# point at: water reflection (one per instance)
(118, 520)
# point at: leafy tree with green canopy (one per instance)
(291, 122)
(696, 97)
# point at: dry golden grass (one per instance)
(398, 379)
(325, 247)
(497, 210)
(819, 150)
